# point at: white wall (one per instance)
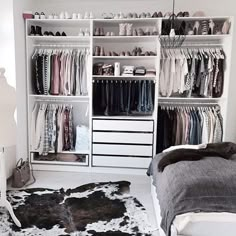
(7, 44)
(18, 8)
(210, 7)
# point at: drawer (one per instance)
(123, 162)
(122, 150)
(116, 137)
(123, 125)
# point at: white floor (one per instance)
(140, 185)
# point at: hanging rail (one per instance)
(62, 45)
(180, 103)
(61, 101)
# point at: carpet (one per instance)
(101, 209)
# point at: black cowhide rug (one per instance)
(101, 209)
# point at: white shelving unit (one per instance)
(124, 142)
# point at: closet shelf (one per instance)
(58, 97)
(128, 117)
(202, 40)
(125, 57)
(60, 22)
(82, 152)
(60, 38)
(193, 18)
(127, 20)
(76, 163)
(122, 77)
(116, 39)
(189, 100)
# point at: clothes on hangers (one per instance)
(123, 97)
(52, 128)
(188, 125)
(192, 72)
(60, 72)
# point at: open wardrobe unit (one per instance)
(113, 98)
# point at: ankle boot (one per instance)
(38, 31)
(102, 52)
(33, 31)
(97, 51)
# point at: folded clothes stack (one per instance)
(140, 70)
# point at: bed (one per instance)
(195, 198)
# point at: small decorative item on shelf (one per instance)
(128, 71)
(117, 69)
(151, 72)
(36, 16)
(173, 30)
(97, 68)
(28, 15)
(108, 69)
(140, 70)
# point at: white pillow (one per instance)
(187, 146)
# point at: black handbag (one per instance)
(21, 174)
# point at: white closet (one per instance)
(120, 140)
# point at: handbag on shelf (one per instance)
(21, 174)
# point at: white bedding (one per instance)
(198, 224)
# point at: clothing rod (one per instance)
(188, 103)
(59, 101)
(62, 45)
(196, 46)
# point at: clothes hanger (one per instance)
(35, 52)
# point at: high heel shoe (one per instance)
(38, 31)
(122, 29)
(226, 27)
(182, 28)
(33, 30)
(211, 27)
(196, 28)
(204, 27)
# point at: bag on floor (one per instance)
(21, 174)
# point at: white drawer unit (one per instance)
(122, 143)
(122, 150)
(123, 125)
(122, 138)
(122, 162)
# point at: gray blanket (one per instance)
(207, 185)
